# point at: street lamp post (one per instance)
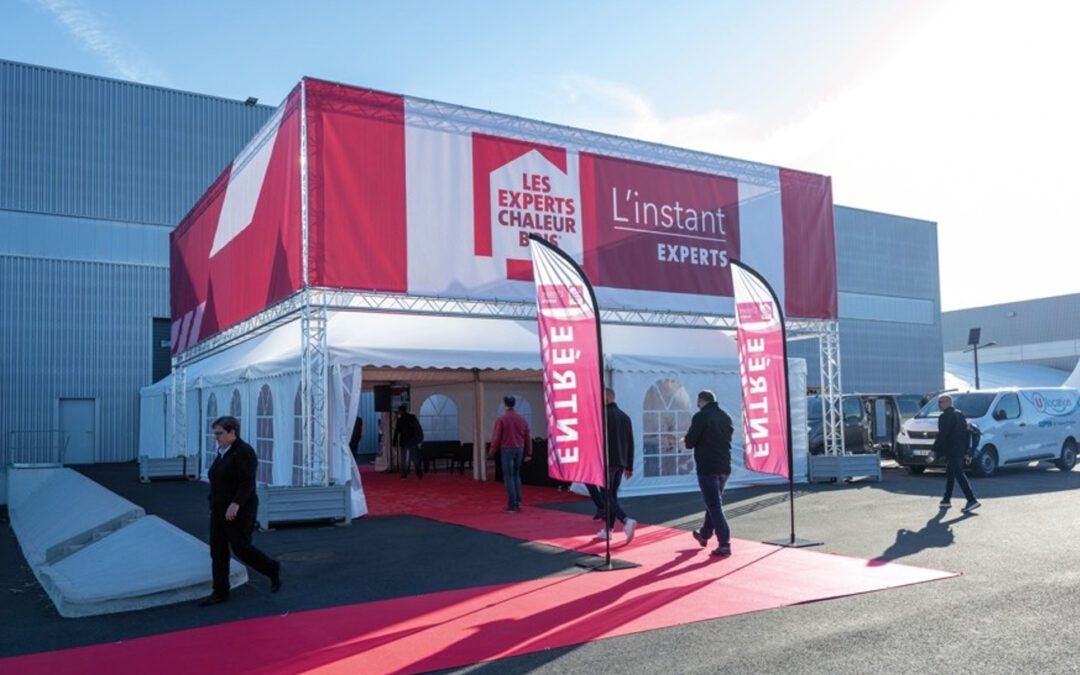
(973, 340)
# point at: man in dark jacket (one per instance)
(620, 452)
(952, 441)
(710, 439)
(233, 508)
(408, 435)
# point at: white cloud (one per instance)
(968, 120)
(123, 59)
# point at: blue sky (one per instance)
(954, 111)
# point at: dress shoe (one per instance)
(213, 599)
(700, 538)
(722, 551)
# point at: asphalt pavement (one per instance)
(1013, 609)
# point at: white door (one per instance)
(78, 419)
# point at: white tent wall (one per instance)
(1074, 379)
(632, 389)
(435, 354)
(153, 440)
(345, 384)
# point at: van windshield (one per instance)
(972, 405)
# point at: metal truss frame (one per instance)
(312, 306)
(314, 360)
(831, 389)
(179, 410)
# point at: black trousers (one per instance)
(599, 497)
(410, 456)
(954, 473)
(236, 535)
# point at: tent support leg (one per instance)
(479, 452)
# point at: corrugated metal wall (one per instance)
(91, 147)
(895, 260)
(73, 329)
(93, 174)
(1016, 323)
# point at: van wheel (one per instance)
(986, 464)
(916, 470)
(1068, 456)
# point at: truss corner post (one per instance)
(831, 389)
(179, 409)
(313, 383)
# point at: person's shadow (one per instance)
(937, 533)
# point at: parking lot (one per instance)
(1012, 609)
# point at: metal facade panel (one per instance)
(1015, 323)
(881, 254)
(86, 146)
(73, 329)
(896, 258)
(38, 235)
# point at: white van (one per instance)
(1017, 426)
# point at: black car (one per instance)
(871, 421)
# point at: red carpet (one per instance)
(678, 583)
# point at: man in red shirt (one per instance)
(511, 438)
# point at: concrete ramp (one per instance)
(95, 552)
(54, 512)
(145, 564)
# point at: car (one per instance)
(871, 421)
(1013, 425)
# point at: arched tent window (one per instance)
(298, 439)
(667, 414)
(210, 447)
(264, 436)
(439, 418)
(523, 408)
(236, 407)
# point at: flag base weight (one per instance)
(598, 564)
(793, 542)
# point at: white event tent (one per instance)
(473, 362)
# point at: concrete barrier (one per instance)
(145, 564)
(56, 511)
(94, 552)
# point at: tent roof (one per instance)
(961, 375)
(384, 340)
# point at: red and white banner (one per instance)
(760, 336)
(238, 250)
(570, 354)
(411, 196)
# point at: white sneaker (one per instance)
(602, 534)
(628, 529)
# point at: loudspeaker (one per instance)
(382, 398)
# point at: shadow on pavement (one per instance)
(937, 533)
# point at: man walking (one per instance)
(952, 441)
(233, 507)
(408, 435)
(709, 437)
(510, 439)
(620, 451)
